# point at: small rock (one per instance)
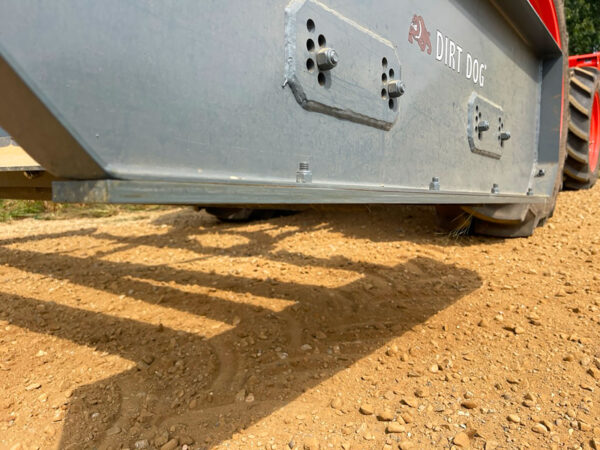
(469, 404)
(406, 445)
(595, 374)
(515, 329)
(385, 416)
(514, 418)
(547, 424)
(569, 357)
(184, 439)
(171, 445)
(595, 444)
(306, 347)
(462, 440)
(141, 444)
(33, 386)
(336, 403)
(366, 409)
(161, 439)
(434, 368)
(311, 444)
(483, 323)
(539, 428)
(585, 361)
(422, 393)
(412, 402)
(407, 417)
(395, 427)
(112, 431)
(585, 426)
(58, 415)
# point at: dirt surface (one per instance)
(357, 329)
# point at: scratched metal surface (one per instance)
(192, 91)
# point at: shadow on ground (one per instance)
(201, 385)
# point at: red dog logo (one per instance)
(418, 32)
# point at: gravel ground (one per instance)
(328, 329)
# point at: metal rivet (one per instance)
(435, 184)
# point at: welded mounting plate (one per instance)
(355, 89)
(485, 142)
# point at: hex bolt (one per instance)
(304, 174)
(396, 88)
(484, 125)
(435, 184)
(541, 173)
(530, 191)
(495, 189)
(505, 136)
(327, 59)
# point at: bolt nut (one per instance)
(304, 174)
(327, 59)
(484, 125)
(396, 88)
(505, 136)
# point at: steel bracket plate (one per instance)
(356, 89)
(486, 127)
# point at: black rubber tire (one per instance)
(246, 214)
(585, 84)
(517, 220)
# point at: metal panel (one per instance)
(192, 91)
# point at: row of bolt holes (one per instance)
(322, 79)
(384, 80)
(310, 46)
(500, 125)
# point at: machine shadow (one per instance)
(206, 389)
